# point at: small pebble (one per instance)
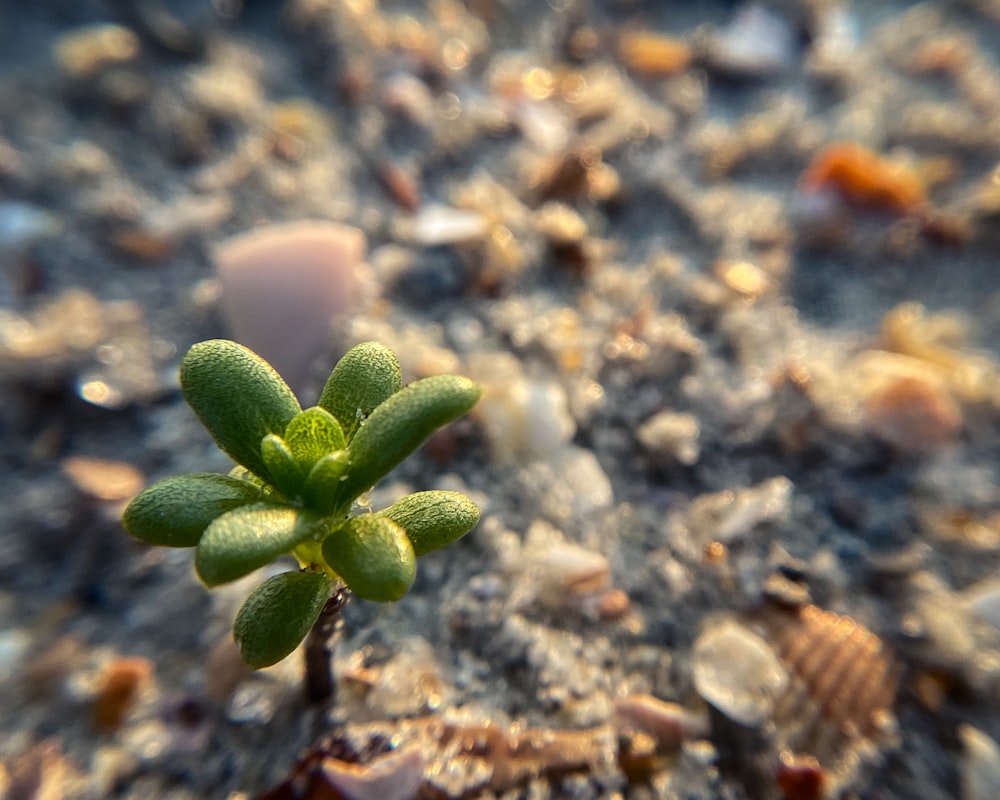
(252, 703)
(906, 402)
(980, 765)
(801, 778)
(118, 690)
(757, 43)
(671, 435)
(102, 479)
(85, 51)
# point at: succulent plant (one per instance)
(293, 492)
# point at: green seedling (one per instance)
(294, 491)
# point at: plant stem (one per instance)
(319, 648)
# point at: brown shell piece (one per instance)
(842, 688)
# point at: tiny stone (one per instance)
(671, 435)
(118, 691)
(86, 50)
(101, 479)
(251, 704)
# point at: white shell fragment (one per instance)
(737, 672)
(394, 776)
(668, 723)
(671, 435)
(757, 42)
(733, 514)
(436, 225)
(524, 418)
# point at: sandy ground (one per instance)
(738, 451)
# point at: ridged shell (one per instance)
(842, 688)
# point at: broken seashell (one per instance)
(436, 225)
(460, 754)
(736, 671)
(284, 285)
(653, 55)
(668, 723)
(865, 178)
(906, 401)
(731, 515)
(940, 340)
(842, 688)
(671, 435)
(396, 775)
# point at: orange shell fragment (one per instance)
(653, 54)
(864, 178)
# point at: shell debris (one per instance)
(457, 754)
(865, 179)
(842, 688)
(736, 672)
(654, 55)
(89, 49)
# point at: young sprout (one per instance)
(293, 492)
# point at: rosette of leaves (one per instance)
(293, 492)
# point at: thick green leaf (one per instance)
(175, 512)
(281, 465)
(400, 425)
(278, 614)
(242, 540)
(321, 489)
(313, 434)
(238, 397)
(433, 519)
(365, 377)
(373, 556)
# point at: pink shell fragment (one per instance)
(283, 287)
